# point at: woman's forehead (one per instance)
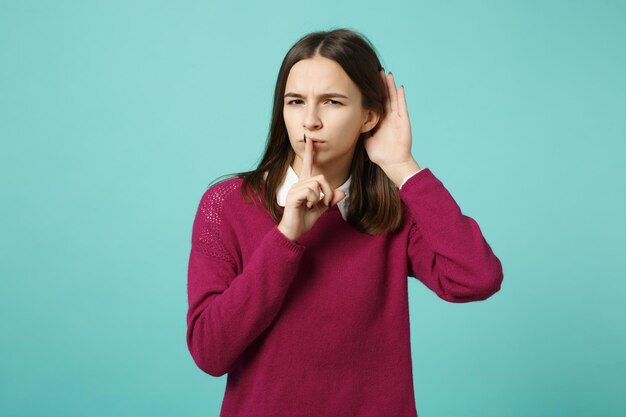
(321, 76)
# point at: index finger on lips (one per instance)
(307, 159)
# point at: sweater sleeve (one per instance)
(228, 311)
(446, 249)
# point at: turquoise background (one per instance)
(116, 115)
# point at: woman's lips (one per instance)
(316, 143)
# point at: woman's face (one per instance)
(322, 102)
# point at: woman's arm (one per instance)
(446, 249)
(227, 312)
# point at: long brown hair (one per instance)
(373, 206)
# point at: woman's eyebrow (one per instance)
(319, 96)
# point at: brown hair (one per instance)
(374, 206)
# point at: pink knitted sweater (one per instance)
(319, 326)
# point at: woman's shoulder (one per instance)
(226, 199)
(224, 187)
(219, 195)
(218, 198)
(215, 216)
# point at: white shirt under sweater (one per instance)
(291, 178)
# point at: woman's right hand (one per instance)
(303, 205)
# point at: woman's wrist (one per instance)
(287, 234)
(397, 173)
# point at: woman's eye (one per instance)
(294, 101)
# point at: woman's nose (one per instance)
(311, 118)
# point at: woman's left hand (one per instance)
(390, 146)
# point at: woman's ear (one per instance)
(370, 120)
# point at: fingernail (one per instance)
(305, 138)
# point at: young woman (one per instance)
(297, 276)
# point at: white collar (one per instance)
(291, 178)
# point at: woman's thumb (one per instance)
(338, 195)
